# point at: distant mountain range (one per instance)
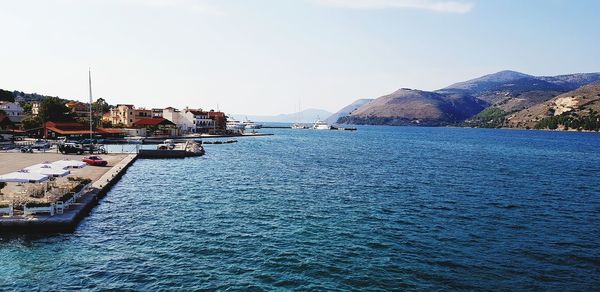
(305, 116)
(486, 101)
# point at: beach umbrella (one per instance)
(68, 164)
(47, 169)
(23, 177)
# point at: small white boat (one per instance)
(298, 126)
(321, 125)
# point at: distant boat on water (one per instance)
(321, 125)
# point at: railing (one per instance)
(7, 210)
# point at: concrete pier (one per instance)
(68, 221)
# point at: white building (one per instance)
(189, 120)
(178, 118)
(199, 120)
(12, 110)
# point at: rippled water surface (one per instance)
(380, 208)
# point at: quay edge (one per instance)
(70, 219)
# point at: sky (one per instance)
(263, 57)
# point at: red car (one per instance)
(95, 161)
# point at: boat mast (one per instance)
(90, 85)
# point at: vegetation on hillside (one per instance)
(571, 120)
(491, 117)
(6, 96)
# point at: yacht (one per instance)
(234, 125)
(251, 125)
(321, 125)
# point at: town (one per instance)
(36, 116)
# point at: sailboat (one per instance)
(297, 124)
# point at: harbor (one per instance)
(57, 216)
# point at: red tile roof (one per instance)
(152, 122)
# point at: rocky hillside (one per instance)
(408, 106)
(486, 101)
(333, 119)
(577, 109)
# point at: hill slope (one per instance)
(572, 109)
(408, 106)
(333, 119)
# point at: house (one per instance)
(13, 111)
(156, 127)
(77, 130)
(220, 121)
(35, 108)
(199, 120)
(157, 112)
(178, 118)
(79, 109)
(126, 115)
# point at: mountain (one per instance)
(577, 109)
(333, 119)
(573, 81)
(504, 85)
(409, 106)
(486, 101)
(305, 116)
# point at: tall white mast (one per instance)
(90, 84)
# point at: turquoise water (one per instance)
(381, 208)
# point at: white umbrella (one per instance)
(68, 164)
(47, 169)
(23, 177)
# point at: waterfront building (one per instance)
(79, 109)
(154, 127)
(126, 115)
(199, 120)
(73, 130)
(178, 118)
(157, 112)
(13, 111)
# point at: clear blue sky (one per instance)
(262, 56)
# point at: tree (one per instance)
(31, 123)
(101, 106)
(6, 96)
(54, 109)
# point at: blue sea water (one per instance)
(382, 208)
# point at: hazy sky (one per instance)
(262, 56)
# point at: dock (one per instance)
(70, 218)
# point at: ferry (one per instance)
(321, 125)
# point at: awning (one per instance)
(47, 169)
(23, 177)
(68, 164)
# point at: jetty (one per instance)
(67, 219)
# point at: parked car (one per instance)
(95, 161)
(40, 145)
(69, 148)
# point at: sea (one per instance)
(377, 209)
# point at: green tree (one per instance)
(54, 109)
(6, 96)
(31, 123)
